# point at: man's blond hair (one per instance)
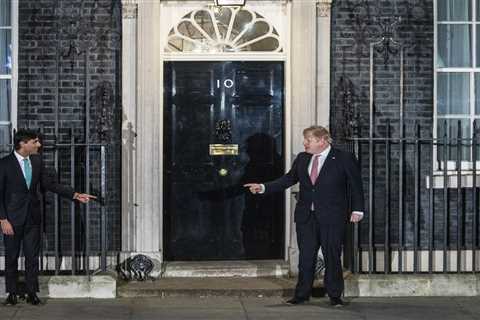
(318, 132)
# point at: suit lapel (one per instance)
(35, 170)
(326, 165)
(307, 164)
(18, 169)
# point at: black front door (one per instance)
(223, 127)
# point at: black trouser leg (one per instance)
(308, 246)
(31, 249)
(12, 251)
(331, 239)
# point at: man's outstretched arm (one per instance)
(282, 183)
(49, 182)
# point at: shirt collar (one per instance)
(19, 156)
(324, 153)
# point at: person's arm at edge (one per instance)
(49, 182)
(5, 225)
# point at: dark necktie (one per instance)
(28, 171)
(314, 172)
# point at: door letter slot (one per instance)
(224, 149)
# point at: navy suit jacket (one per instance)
(17, 201)
(337, 191)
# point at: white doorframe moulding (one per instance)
(304, 29)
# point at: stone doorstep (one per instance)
(229, 269)
(209, 286)
(245, 278)
(99, 286)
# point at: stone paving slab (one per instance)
(231, 308)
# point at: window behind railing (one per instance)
(457, 75)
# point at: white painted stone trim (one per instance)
(15, 60)
(129, 9)
(323, 41)
(420, 285)
(310, 84)
(98, 286)
(437, 257)
(324, 8)
(129, 123)
(149, 146)
(240, 268)
(466, 180)
(289, 236)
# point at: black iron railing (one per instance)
(421, 201)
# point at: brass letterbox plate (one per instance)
(224, 149)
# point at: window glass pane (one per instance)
(477, 49)
(453, 93)
(223, 21)
(454, 10)
(204, 21)
(242, 22)
(454, 45)
(226, 30)
(5, 99)
(450, 127)
(266, 44)
(5, 13)
(5, 52)
(478, 10)
(477, 93)
(4, 140)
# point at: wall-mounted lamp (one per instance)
(230, 3)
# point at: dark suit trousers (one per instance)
(29, 237)
(312, 235)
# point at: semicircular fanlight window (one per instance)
(223, 30)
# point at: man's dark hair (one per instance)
(23, 135)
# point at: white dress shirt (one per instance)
(20, 161)
(322, 156)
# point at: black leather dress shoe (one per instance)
(33, 299)
(11, 299)
(296, 300)
(336, 302)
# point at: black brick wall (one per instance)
(55, 37)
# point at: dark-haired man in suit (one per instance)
(326, 175)
(21, 174)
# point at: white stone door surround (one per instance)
(306, 39)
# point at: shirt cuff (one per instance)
(358, 213)
(262, 186)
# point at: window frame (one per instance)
(13, 76)
(471, 71)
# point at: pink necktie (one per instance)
(314, 172)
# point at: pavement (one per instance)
(246, 308)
